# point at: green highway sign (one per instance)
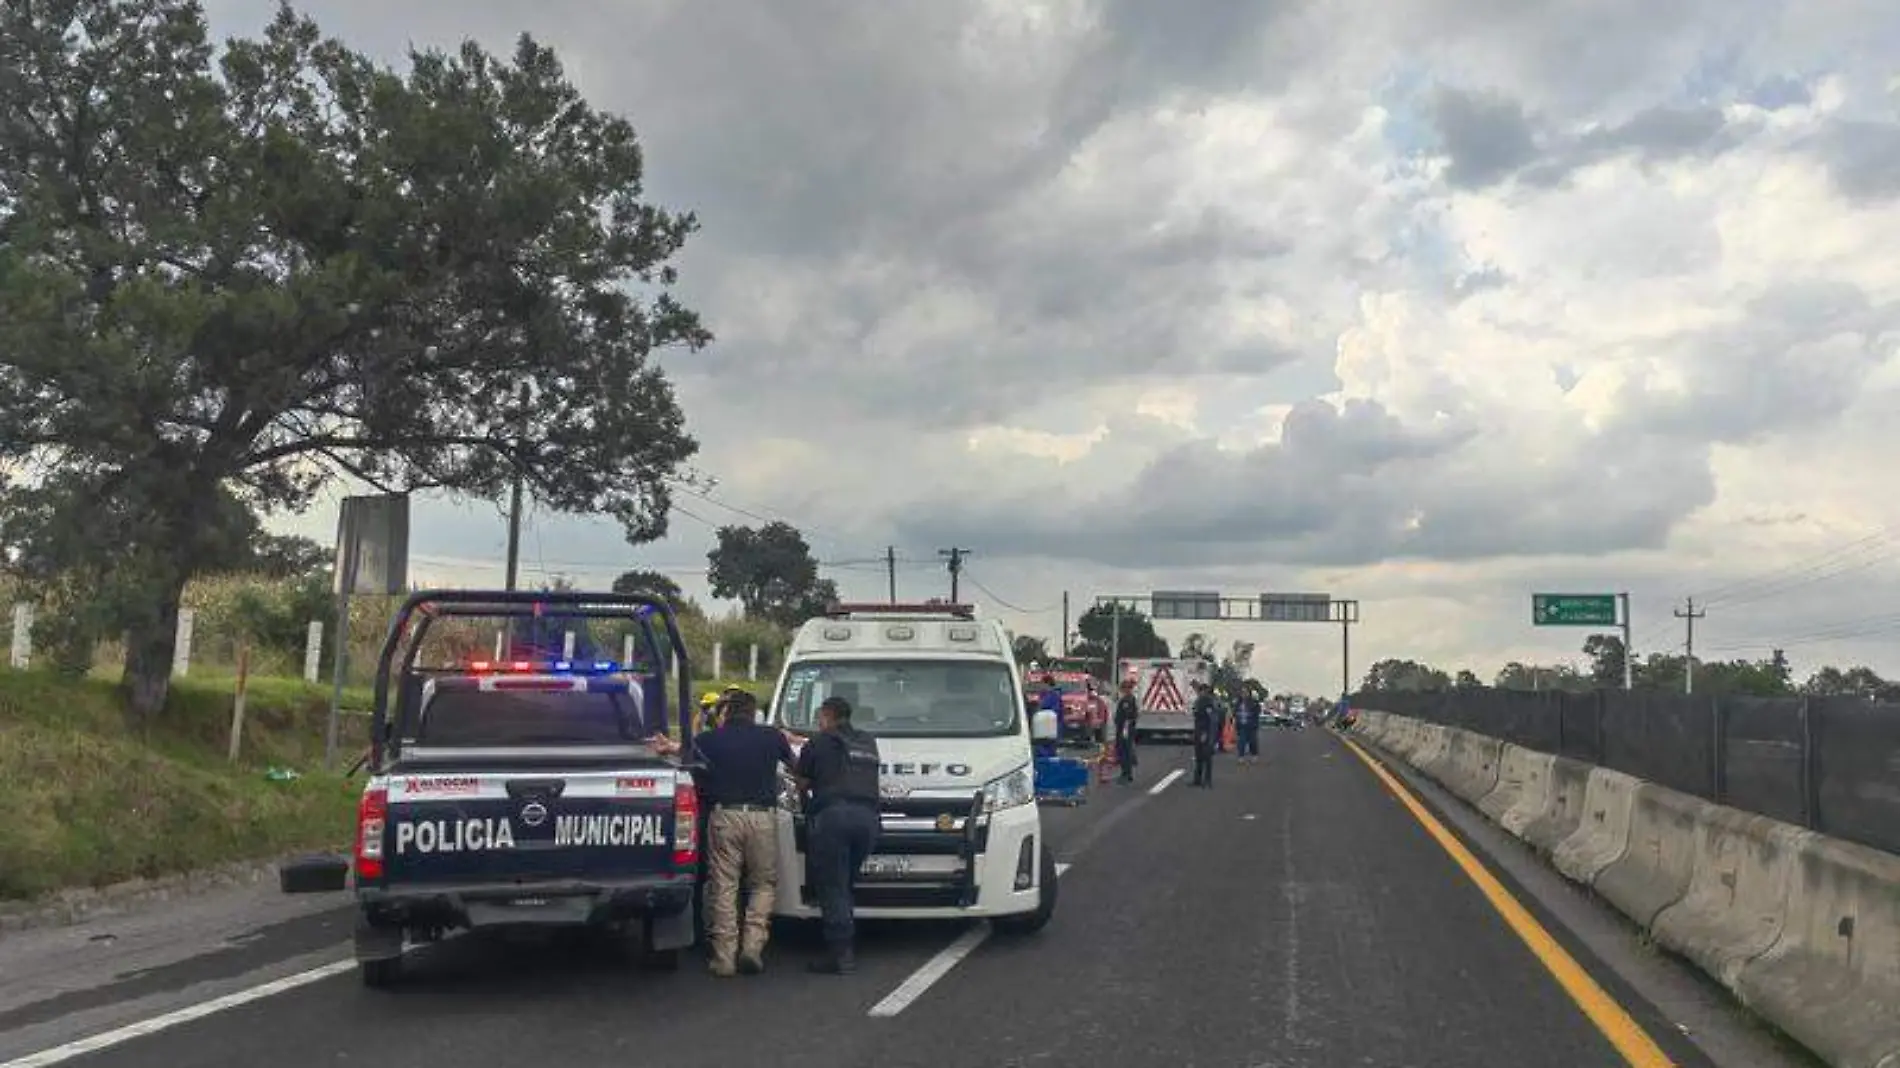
(1573, 609)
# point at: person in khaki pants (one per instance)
(739, 783)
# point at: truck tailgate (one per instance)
(525, 827)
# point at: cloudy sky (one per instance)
(1428, 303)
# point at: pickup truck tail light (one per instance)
(372, 816)
(686, 826)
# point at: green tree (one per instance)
(1520, 676)
(1137, 633)
(1606, 655)
(1030, 649)
(1399, 676)
(651, 583)
(255, 268)
(771, 572)
(1856, 682)
(288, 556)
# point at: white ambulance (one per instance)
(960, 831)
(1165, 690)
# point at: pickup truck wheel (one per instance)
(380, 974)
(1029, 923)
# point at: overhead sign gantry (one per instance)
(1205, 606)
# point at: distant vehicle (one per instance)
(522, 792)
(961, 834)
(1085, 709)
(1165, 692)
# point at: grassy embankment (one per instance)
(90, 803)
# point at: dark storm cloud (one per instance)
(1489, 139)
(1353, 486)
(1862, 157)
(1795, 359)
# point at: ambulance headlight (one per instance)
(1016, 788)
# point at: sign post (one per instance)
(372, 556)
(1588, 610)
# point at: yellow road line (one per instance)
(1610, 1018)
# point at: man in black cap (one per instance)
(837, 771)
(1207, 723)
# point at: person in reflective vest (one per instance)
(837, 773)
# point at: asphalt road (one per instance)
(1295, 915)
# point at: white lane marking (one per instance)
(933, 970)
(925, 977)
(81, 1047)
(1166, 781)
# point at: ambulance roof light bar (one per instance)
(925, 608)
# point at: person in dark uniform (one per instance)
(1127, 714)
(837, 771)
(739, 788)
(1247, 714)
(1207, 723)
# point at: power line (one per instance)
(991, 594)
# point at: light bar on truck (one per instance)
(493, 681)
(926, 608)
(544, 667)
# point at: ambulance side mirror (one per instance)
(1044, 726)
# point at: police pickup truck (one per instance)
(529, 789)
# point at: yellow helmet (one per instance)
(708, 699)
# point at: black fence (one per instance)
(1828, 763)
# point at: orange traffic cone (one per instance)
(1228, 738)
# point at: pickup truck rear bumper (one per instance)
(538, 904)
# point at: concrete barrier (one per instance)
(1804, 929)
(1654, 872)
(1604, 835)
(1523, 788)
(1470, 767)
(1737, 902)
(1434, 749)
(1832, 980)
(1563, 806)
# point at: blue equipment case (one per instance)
(1062, 780)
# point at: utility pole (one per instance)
(1629, 655)
(955, 556)
(1063, 642)
(890, 567)
(514, 497)
(1689, 615)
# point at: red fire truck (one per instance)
(1085, 704)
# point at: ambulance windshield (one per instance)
(905, 698)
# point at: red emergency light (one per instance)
(543, 667)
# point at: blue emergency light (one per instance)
(532, 667)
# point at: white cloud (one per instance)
(1226, 300)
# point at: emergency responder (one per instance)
(1247, 715)
(708, 711)
(1207, 722)
(738, 783)
(1127, 714)
(1052, 702)
(837, 772)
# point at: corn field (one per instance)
(268, 621)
